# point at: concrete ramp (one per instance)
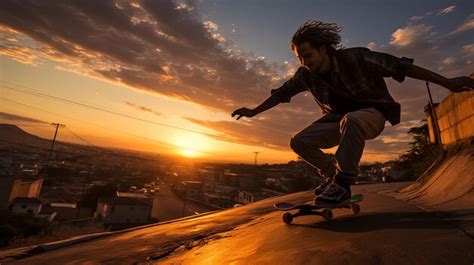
(447, 188)
(450, 179)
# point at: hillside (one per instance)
(14, 135)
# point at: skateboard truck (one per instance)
(311, 209)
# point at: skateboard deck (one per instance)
(311, 209)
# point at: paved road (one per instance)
(167, 205)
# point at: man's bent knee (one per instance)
(347, 121)
(296, 144)
(369, 128)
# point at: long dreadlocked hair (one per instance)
(318, 34)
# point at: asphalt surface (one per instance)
(168, 206)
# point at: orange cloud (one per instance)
(466, 26)
(142, 108)
(410, 34)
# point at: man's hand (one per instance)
(243, 112)
(459, 84)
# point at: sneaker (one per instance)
(324, 184)
(334, 194)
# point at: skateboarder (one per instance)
(349, 87)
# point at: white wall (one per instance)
(26, 208)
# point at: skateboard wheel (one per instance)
(287, 218)
(327, 214)
(355, 208)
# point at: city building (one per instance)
(26, 205)
(67, 211)
(242, 180)
(209, 175)
(221, 200)
(249, 196)
(33, 206)
(123, 211)
(193, 189)
(12, 186)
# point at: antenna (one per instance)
(256, 153)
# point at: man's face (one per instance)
(310, 57)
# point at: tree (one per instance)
(91, 197)
(19, 225)
(420, 156)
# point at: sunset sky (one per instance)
(164, 76)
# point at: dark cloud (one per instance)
(164, 47)
(153, 45)
(160, 47)
(18, 118)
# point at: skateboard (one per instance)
(311, 209)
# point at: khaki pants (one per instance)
(348, 131)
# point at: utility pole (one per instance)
(57, 125)
(256, 153)
(434, 118)
(78, 207)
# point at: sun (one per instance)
(191, 144)
(189, 153)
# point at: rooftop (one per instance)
(63, 205)
(131, 195)
(123, 201)
(27, 200)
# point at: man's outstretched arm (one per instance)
(457, 84)
(282, 94)
(267, 104)
(389, 65)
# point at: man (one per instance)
(349, 87)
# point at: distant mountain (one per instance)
(13, 134)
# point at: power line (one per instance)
(79, 137)
(44, 95)
(63, 144)
(102, 127)
(39, 91)
(31, 146)
(32, 125)
(82, 139)
(105, 128)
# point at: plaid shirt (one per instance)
(355, 82)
